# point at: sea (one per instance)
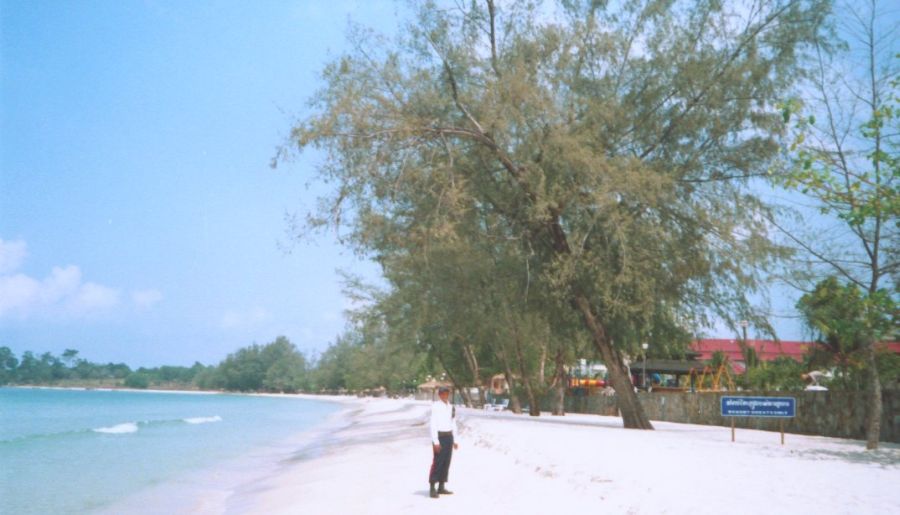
(88, 451)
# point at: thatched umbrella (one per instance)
(431, 386)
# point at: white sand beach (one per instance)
(375, 459)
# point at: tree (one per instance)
(610, 145)
(462, 303)
(209, 378)
(138, 380)
(8, 364)
(846, 321)
(32, 370)
(276, 366)
(333, 366)
(780, 374)
(119, 370)
(243, 370)
(70, 357)
(844, 158)
(285, 367)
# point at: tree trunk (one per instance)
(542, 375)
(533, 408)
(559, 397)
(873, 402)
(633, 416)
(456, 384)
(514, 404)
(467, 398)
(472, 362)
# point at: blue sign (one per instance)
(759, 407)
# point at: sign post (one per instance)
(780, 407)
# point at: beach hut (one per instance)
(429, 388)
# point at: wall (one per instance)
(837, 414)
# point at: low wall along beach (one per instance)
(835, 414)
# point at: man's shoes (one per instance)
(444, 491)
(433, 493)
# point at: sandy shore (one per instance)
(375, 459)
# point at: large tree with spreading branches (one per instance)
(603, 148)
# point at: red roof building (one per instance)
(766, 350)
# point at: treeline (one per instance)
(278, 367)
(71, 370)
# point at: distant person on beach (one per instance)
(443, 435)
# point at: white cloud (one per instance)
(62, 283)
(61, 294)
(12, 254)
(145, 299)
(92, 298)
(17, 292)
(233, 319)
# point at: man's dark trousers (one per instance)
(440, 467)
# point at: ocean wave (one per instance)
(116, 429)
(127, 427)
(202, 420)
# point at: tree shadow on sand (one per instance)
(887, 456)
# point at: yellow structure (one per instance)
(722, 373)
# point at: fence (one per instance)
(831, 413)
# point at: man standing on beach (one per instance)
(443, 434)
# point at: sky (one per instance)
(140, 221)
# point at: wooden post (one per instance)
(781, 425)
(732, 429)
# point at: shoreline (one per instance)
(110, 389)
(209, 489)
(372, 455)
(300, 395)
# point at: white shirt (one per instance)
(442, 420)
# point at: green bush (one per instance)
(780, 374)
(137, 380)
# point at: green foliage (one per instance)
(718, 359)
(861, 193)
(333, 368)
(543, 184)
(846, 160)
(846, 317)
(751, 358)
(70, 370)
(781, 374)
(8, 364)
(275, 367)
(33, 370)
(137, 380)
(888, 364)
(846, 321)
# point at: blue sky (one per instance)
(139, 219)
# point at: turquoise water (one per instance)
(78, 451)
